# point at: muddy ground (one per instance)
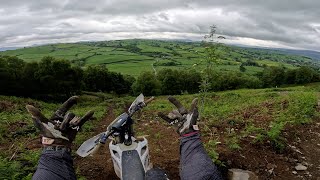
(303, 146)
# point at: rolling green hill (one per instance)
(134, 56)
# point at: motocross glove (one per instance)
(62, 127)
(185, 121)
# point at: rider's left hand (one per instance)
(62, 127)
(184, 120)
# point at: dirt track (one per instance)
(164, 150)
(261, 159)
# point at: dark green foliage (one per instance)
(276, 76)
(181, 81)
(290, 76)
(177, 82)
(242, 68)
(133, 48)
(221, 81)
(250, 63)
(147, 83)
(304, 75)
(11, 75)
(273, 76)
(274, 135)
(96, 78)
(170, 63)
(168, 82)
(21, 168)
(57, 79)
(119, 84)
(9, 170)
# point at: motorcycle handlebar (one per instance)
(140, 106)
(149, 100)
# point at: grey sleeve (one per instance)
(194, 160)
(55, 165)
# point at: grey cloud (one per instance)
(293, 23)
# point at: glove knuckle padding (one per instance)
(175, 102)
(183, 120)
(164, 117)
(194, 104)
(65, 123)
(59, 114)
(85, 118)
(61, 131)
(35, 113)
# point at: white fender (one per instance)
(140, 146)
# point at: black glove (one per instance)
(62, 127)
(184, 121)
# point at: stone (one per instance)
(239, 174)
(292, 160)
(301, 167)
(271, 166)
(294, 172)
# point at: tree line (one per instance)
(57, 79)
(170, 82)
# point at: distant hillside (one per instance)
(8, 48)
(315, 55)
(312, 54)
(134, 56)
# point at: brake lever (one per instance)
(104, 137)
(142, 105)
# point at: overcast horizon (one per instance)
(286, 24)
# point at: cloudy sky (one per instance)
(270, 23)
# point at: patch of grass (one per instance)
(211, 146)
(274, 135)
(233, 142)
(10, 169)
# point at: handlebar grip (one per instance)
(181, 109)
(149, 100)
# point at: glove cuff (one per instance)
(55, 142)
(190, 134)
(57, 148)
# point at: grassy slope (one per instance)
(292, 105)
(121, 59)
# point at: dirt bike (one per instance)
(130, 155)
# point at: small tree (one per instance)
(242, 68)
(147, 83)
(273, 76)
(212, 55)
(304, 75)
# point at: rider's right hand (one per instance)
(184, 120)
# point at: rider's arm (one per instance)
(55, 165)
(57, 133)
(194, 160)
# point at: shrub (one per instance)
(221, 81)
(147, 83)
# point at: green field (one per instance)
(134, 56)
